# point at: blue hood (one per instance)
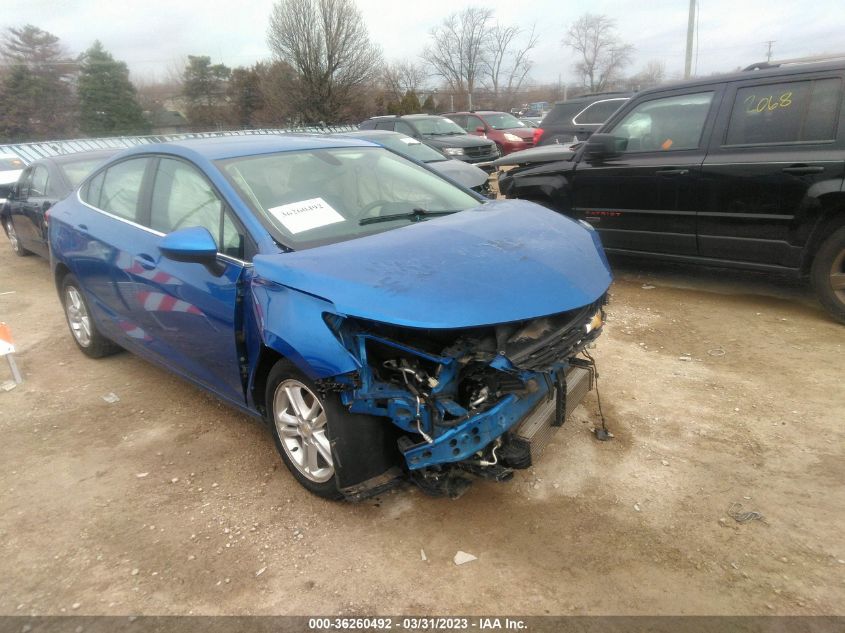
(504, 261)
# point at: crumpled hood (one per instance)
(503, 261)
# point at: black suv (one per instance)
(574, 120)
(742, 170)
(438, 132)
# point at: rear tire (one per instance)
(299, 419)
(828, 274)
(17, 249)
(78, 315)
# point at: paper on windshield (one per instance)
(410, 141)
(298, 217)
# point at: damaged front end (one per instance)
(472, 401)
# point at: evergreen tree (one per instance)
(428, 106)
(107, 99)
(204, 87)
(35, 93)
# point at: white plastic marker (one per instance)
(7, 349)
(298, 217)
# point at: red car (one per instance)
(508, 132)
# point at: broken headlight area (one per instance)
(475, 400)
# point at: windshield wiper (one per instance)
(417, 215)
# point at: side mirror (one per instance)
(193, 245)
(481, 129)
(600, 147)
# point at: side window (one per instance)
(90, 193)
(182, 197)
(38, 185)
(459, 119)
(598, 112)
(668, 124)
(798, 111)
(120, 188)
(473, 123)
(384, 125)
(404, 128)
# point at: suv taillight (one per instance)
(538, 132)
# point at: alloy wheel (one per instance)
(13, 236)
(301, 424)
(77, 316)
(837, 276)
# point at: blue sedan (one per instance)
(384, 322)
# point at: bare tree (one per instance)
(458, 49)
(506, 62)
(602, 54)
(402, 77)
(327, 44)
(652, 75)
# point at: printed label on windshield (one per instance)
(298, 217)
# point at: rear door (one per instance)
(778, 150)
(646, 199)
(17, 203)
(31, 217)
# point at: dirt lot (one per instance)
(720, 388)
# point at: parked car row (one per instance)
(386, 320)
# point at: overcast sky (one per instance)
(154, 36)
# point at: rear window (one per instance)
(599, 112)
(562, 114)
(76, 172)
(786, 112)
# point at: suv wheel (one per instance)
(828, 274)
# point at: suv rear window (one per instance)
(562, 114)
(598, 112)
(785, 112)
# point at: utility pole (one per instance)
(690, 32)
(769, 51)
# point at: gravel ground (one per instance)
(720, 388)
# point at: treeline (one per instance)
(324, 70)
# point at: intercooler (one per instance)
(530, 436)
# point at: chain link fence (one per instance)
(29, 152)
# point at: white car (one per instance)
(10, 169)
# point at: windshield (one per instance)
(409, 147)
(502, 121)
(438, 126)
(315, 197)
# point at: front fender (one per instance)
(291, 323)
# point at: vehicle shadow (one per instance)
(765, 290)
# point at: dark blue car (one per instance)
(383, 321)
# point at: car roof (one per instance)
(596, 96)
(222, 147)
(64, 159)
(786, 70)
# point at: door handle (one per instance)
(803, 169)
(145, 261)
(673, 172)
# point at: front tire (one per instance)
(15, 241)
(85, 333)
(828, 274)
(299, 421)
